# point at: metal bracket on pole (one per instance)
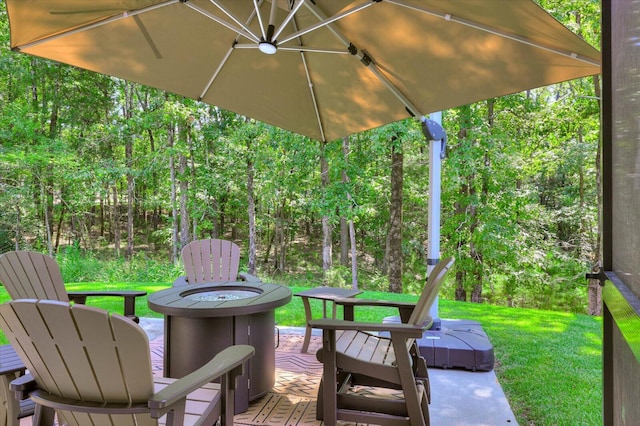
(597, 274)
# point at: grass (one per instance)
(548, 363)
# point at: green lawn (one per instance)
(548, 363)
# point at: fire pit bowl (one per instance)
(221, 294)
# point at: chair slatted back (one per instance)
(32, 275)
(431, 288)
(211, 260)
(82, 353)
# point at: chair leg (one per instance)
(420, 370)
(319, 403)
(425, 401)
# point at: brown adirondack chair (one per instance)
(212, 260)
(380, 356)
(32, 275)
(93, 367)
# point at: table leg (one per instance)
(10, 406)
(307, 330)
(329, 397)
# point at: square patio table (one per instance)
(326, 294)
(11, 366)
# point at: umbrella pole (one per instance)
(434, 133)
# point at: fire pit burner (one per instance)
(220, 295)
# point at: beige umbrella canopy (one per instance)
(322, 68)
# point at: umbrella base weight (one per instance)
(458, 344)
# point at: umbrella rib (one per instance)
(123, 15)
(314, 101)
(325, 21)
(365, 59)
(291, 14)
(244, 31)
(487, 29)
(235, 44)
(256, 6)
(296, 49)
(215, 74)
(313, 96)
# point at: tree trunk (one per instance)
(595, 291)
(394, 235)
(174, 196)
(327, 255)
(354, 257)
(47, 218)
(18, 228)
(344, 241)
(344, 226)
(128, 113)
(184, 193)
(280, 243)
(101, 216)
(347, 228)
(475, 252)
(115, 219)
(251, 211)
(461, 207)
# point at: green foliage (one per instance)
(77, 266)
(338, 276)
(517, 192)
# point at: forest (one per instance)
(118, 170)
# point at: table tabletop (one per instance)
(174, 300)
(10, 362)
(328, 293)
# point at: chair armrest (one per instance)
(22, 385)
(249, 278)
(230, 361)
(409, 329)
(129, 299)
(180, 281)
(404, 308)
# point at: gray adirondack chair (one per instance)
(380, 356)
(212, 261)
(32, 275)
(94, 368)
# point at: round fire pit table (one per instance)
(201, 320)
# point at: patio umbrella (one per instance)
(321, 68)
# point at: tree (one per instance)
(327, 229)
(394, 234)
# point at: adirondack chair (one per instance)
(32, 275)
(93, 367)
(211, 260)
(27, 274)
(380, 356)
